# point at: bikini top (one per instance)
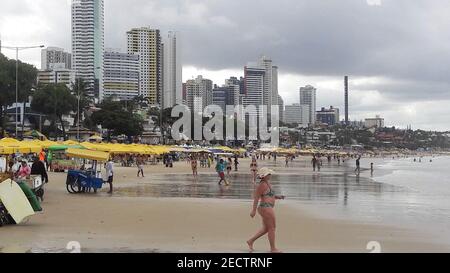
(270, 193)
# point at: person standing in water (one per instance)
(194, 166)
(254, 169)
(265, 196)
(371, 168)
(314, 163)
(220, 169)
(358, 168)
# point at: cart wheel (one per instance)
(69, 188)
(75, 186)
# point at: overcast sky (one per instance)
(396, 52)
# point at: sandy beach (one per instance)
(155, 223)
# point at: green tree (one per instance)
(56, 100)
(117, 120)
(27, 80)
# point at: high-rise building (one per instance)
(281, 108)
(199, 94)
(56, 75)
(172, 67)
(261, 84)
(293, 114)
(253, 87)
(237, 86)
(346, 99)
(225, 95)
(235, 81)
(308, 98)
(55, 57)
(121, 75)
(328, 116)
(88, 43)
(147, 43)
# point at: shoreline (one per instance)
(102, 223)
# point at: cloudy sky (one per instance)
(396, 52)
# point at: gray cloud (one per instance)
(404, 45)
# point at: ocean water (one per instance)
(400, 192)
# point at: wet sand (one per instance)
(168, 211)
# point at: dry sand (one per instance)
(101, 223)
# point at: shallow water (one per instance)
(401, 192)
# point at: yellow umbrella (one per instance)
(87, 154)
(70, 142)
(9, 140)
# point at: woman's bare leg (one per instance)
(271, 226)
(259, 234)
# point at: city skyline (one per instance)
(395, 79)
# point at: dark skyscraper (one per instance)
(346, 100)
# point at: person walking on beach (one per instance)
(254, 169)
(371, 168)
(194, 166)
(220, 168)
(287, 161)
(140, 166)
(358, 168)
(229, 164)
(265, 196)
(236, 163)
(314, 163)
(110, 174)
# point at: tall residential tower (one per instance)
(88, 43)
(172, 67)
(146, 42)
(308, 99)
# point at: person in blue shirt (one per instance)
(220, 169)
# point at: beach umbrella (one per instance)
(9, 140)
(87, 154)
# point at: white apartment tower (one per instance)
(146, 42)
(172, 67)
(308, 99)
(88, 43)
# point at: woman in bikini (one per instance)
(265, 196)
(254, 169)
